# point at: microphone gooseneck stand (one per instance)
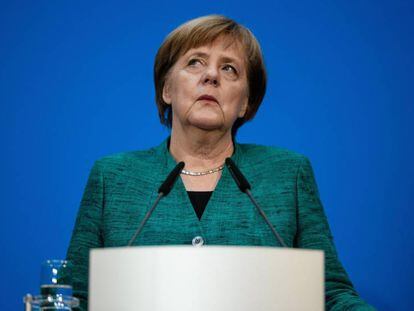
(245, 187)
(163, 190)
(238, 177)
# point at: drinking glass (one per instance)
(55, 278)
(55, 288)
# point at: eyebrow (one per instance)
(225, 59)
(199, 54)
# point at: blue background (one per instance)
(76, 84)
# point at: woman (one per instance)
(209, 79)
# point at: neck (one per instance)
(201, 150)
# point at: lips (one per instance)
(208, 97)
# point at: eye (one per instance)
(229, 68)
(194, 61)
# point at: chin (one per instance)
(207, 124)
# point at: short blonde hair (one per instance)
(201, 31)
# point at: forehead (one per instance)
(226, 46)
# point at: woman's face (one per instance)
(207, 86)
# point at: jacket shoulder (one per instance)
(269, 166)
(124, 161)
(270, 154)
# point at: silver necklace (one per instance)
(214, 170)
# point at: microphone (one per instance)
(163, 190)
(245, 187)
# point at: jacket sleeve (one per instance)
(314, 233)
(87, 233)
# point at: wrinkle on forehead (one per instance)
(226, 42)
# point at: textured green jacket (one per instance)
(121, 188)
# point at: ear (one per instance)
(166, 92)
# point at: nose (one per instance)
(211, 77)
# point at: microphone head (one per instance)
(238, 177)
(167, 185)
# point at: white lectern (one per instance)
(208, 278)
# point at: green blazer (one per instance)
(121, 188)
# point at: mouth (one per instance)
(208, 98)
